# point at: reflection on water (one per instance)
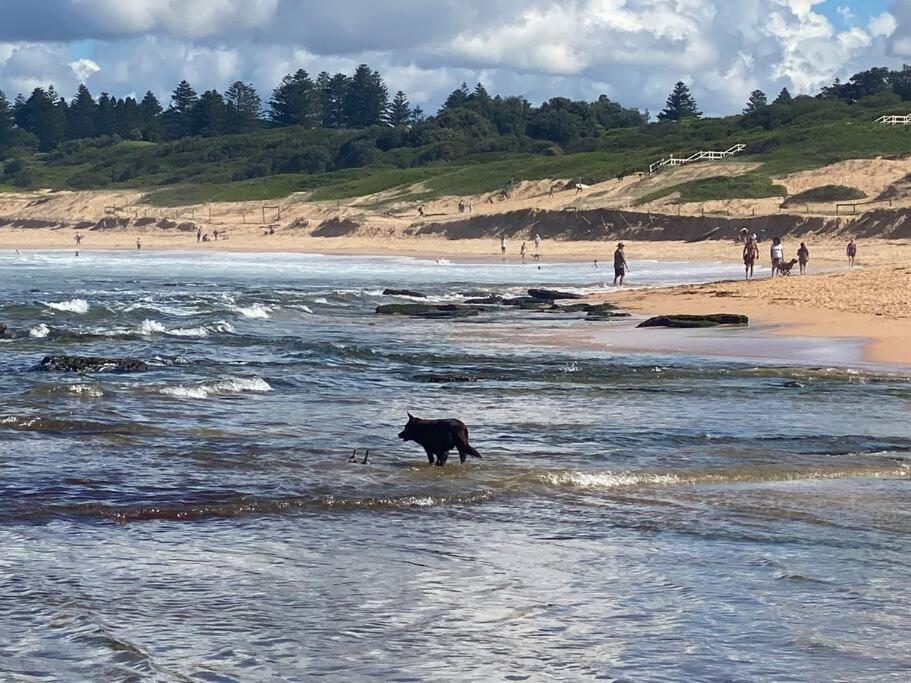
(636, 516)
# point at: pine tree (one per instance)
(680, 104)
(243, 107)
(784, 97)
(367, 99)
(128, 119)
(458, 98)
(150, 113)
(480, 100)
(332, 99)
(6, 120)
(295, 101)
(418, 115)
(105, 117)
(757, 101)
(181, 112)
(81, 115)
(210, 114)
(44, 115)
(400, 112)
(183, 99)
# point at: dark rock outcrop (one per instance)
(552, 294)
(2, 330)
(486, 300)
(689, 321)
(428, 310)
(445, 379)
(91, 364)
(404, 292)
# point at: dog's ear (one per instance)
(410, 416)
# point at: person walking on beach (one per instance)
(750, 253)
(803, 257)
(503, 245)
(461, 206)
(522, 251)
(620, 265)
(777, 254)
(199, 234)
(138, 244)
(78, 239)
(851, 251)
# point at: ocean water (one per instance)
(648, 515)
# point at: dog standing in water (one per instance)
(438, 437)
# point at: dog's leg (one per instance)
(442, 457)
(429, 454)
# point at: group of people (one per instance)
(204, 236)
(776, 253)
(523, 250)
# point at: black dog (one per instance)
(438, 437)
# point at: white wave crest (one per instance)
(149, 327)
(256, 311)
(87, 390)
(306, 309)
(79, 306)
(39, 331)
(189, 332)
(322, 301)
(607, 480)
(235, 385)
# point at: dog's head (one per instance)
(408, 433)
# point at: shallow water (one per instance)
(636, 516)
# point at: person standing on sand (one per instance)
(777, 254)
(851, 251)
(750, 252)
(803, 257)
(503, 245)
(620, 265)
(522, 251)
(199, 234)
(138, 244)
(78, 239)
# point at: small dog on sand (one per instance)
(785, 268)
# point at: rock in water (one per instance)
(404, 292)
(690, 321)
(552, 294)
(2, 330)
(428, 310)
(444, 379)
(91, 364)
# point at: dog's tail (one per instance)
(472, 452)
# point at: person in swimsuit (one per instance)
(522, 251)
(503, 245)
(777, 254)
(750, 252)
(803, 257)
(851, 252)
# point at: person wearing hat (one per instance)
(620, 264)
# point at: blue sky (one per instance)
(631, 50)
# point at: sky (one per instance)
(631, 50)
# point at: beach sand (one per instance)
(871, 303)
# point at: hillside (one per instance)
(441, 158)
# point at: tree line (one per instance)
(45, 119)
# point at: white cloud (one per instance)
(633, 50)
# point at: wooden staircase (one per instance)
(698, 156)
(892, 120)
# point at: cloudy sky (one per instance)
(631, 50)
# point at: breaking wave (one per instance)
(79, 306)
(237, 385)
(39, 331)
